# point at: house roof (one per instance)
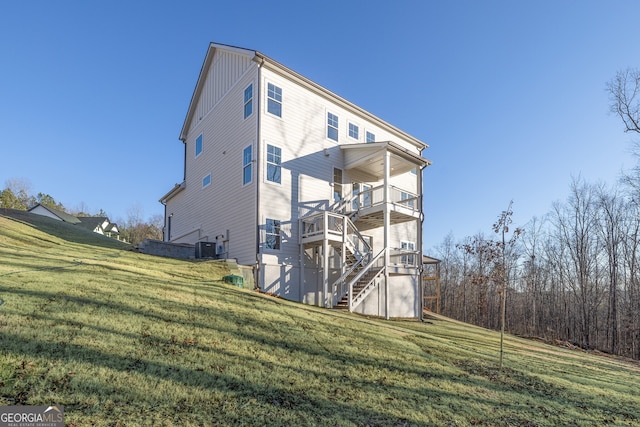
(264, 60)
(369, 158)
(62, 215)
(92, 222)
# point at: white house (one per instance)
(321, 197)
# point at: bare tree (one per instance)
(624, 94)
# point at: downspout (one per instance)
(258, 173)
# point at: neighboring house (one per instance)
(321, 197)
(54, 213)
(97, 224)
(100, 225)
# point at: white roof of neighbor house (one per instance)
(275, 66)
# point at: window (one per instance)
(248, 101)
(354, 131)
(370, 137)
(274, 157)
(337, 185)
(206, 181)
(361, 196)
(198, 145)
(410, 199)
(247, 165)
(408, 259)
(332, 126)
(272, 234)
(274, 100)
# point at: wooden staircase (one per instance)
(358, 287)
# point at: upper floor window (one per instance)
(248, 101)
(354, 131)
(274, 100)
(274, 157)
(332, 126)
(198, 145)
(206, 181)
(272, 234)
(247, 165)
(370, 137)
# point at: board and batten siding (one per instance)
(226, 207)
(225, 70)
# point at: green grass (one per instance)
(120, 338)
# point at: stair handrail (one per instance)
(365, 290)
(352, 229)
(366, 268)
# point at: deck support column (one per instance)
(387, 231)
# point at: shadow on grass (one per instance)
(63, 230)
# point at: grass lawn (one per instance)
(125, 339)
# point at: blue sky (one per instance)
(510, 95)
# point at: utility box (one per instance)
(234, 280)
(205, 250)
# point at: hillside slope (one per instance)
(121, 338)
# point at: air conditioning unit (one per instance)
(205, 250)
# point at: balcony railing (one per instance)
(376, 196)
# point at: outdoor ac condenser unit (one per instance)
(205, 250)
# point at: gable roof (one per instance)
(63, 216)
(265, 61)
(92, 222)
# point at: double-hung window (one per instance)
(274, 158)
(370, 137)
(199, 145)
(272, 234)
(247, 165)
(332, 126)
(354, 131)
(248, 101)
(407, 199)
(408, 258)
(274, 100)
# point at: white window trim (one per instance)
(267, 163)
(326, 127)
(250, 164)
(279, 235)
(349, 124)
(204, 178)
(410, 246)
(195, 145)
(365, 136)
(244, 103)
(267, 98)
